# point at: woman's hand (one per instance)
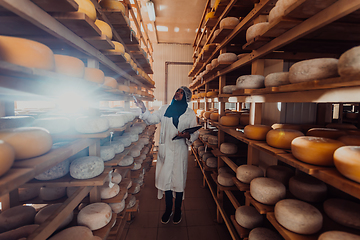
(140, 104)
(184, 135)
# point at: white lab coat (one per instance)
(172, 160)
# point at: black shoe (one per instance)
(177, 216)
(166, 217)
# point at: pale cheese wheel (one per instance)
(47, 211)
(107, 153)
(94, 75)
(27, 142)
(228, 148)
(214, 116)
(214, 62)
(86, 167)
(229, 89)
(225, 179)
(20, 233)
(201, 153)
(267, 190)
(347, 162)
(211, 162)
(110, 82)
(107, 192)
(298, 216)
(206, 156)
(282, 138)
(58, 171)
(349, 63)
(250, 82)
(277, 79)
(15, 121)
(126, 161)
(205, 137)
(227, 57)
(307, 188)
(313, 69)
(132, 202)
(118, 146)
(91, 124)
(241, 55)
(69, 66)
(201, 148)
(126, 140)
(113, 5)
(118, 207)
(315, 150)
(261, 233)
(335, 235)
(95, 215)
(286, 126)
(344, 212)
(52, 193)
(280, 173)
(54, 125)
(213, 140)
(325, 132)
(75, 233)
(7, 157)
(230, 121)
(26, 53)
(15, 217)
(246, 173)
(222, 170)
(115, 120)
(208, 67)
(119, 48)
(87, 7)
(116, 177)
(229, 22)
(342, 126)
(248, 217)
(256, 132)
(256, 30)
(275, 13)
(26, 194)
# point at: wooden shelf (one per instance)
(243, 232)
(263, 146)
(104, 231)
(243, 187)
(134, 209)
(289, 159)
(57, 5)
(217, 153)
(262, 208)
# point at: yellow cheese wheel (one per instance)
(315, 150)
(325, 132)
(209, 15)
(202, 94)
(27, 142)
(123, 88)
(230, 121)
(69, 66)
(113, 5)
(118, 47)
(104, 28)
(111, 82)
(347, 162)
(26, 53)
(257, 131)
(212, 94)
(281, 138)
(207, 114)
(214, 116)
(87, 7)
(286, 126)
(7, 157)
(350, 140)
(94, 75)
(127, 57)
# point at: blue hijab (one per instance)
(176, 109)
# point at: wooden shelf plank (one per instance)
(279, 26)
(223, 33)
(135, 208)
(243, 232)
(288, 158)
(116, 57)
(100, 42)
(210, 23)
(243, 187)
(217, 153)
(232, 199)
(14, 178)
(57, 5)
(229, 162)
(262, 208)
(263, 146)
(115, 17)
(256, 43)
(104, 231)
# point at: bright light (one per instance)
(176, 29)
(150, 27)
(132, 2)
(162, 28)
(151, 10)
(162, 7)
(72, 102)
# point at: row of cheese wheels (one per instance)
(231, 118)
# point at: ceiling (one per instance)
(176, 20)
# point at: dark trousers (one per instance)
(169, 200)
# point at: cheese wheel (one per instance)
(20, 233)
(228, 148)
(275, 13)
(241, 55)
(58, 171)
(214, 62)
(282, 138)
(16, 217)
(26, 53)
(325, 132)
(127, 57)
(115, 120)
(267, 190)
(75, 233)
(347, 162)
(119, 48)
(230, 121)
(313, 69)
(91, 124)
(106, 192)
(95, 215)
(209, 15)
(94, 75)
(335, 235)
(111, 82)
(47, 211)
(280, 173)
(86, 167)
(298, 216)
(54, 125)
(344, 212)
(26, 194)
(250, 82)
(87, 7)
(342, 126)
(212, 94)
(256, 30)
(208, 67)
(69, 66)
(244, 119)
(256, 132)
(214, 116)
(229, 22)
(315, 150)
(227, 57)
(118, 207)
(222, 170)
(246, 173)
(207, 114)
(126, 161)
(248, 217)
(211, 162)
(277, 79)
(225, 179)
(349, 63)
(27, 142)
(107, 153)
(261, 233)
(7, 157)
(52, 193)
(213, 140)
(132, 202)
(350, 140)
(126, 140)
(117, 145)
(286, 126)
(229, 89)
(15, 121)
(206, 156)
(113, 5)
(307, 188)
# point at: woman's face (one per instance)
(179, 94)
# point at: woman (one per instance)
(171, 166)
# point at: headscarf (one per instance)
(177, 108)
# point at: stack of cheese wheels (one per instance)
(26, 53)
(349, 63)
(230, 121)
(27, 142)
(277, 79)
(47, 211)
(95, 215)
(286, 126)
(228, 148)
(52, 193)
(334, 235)
(315, 150)
(75, 233)
(15, 121)
(54, 125)
(248, 217)
(246, 173)
(87, 7)
(225, 179)
(91, 124)
(21, 233)
(280, 173)
(346, 160)
(244, 119)
(314, 69)
(69, 66)
(256, 132)
(256, 30)
(282, 138)
(58, 171)
(227, 58)
(307, 188)
(261, 233)
(113, 5)
(229, 22)
(110, 82)
(214, 116)
(325, 133)
(250, 82)
(344, 212)
(107, 192)
(104, 28)
(350, 140)
(267, 190)
(26, 194)
(7, 157)
(86, 167)
(298, 216)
